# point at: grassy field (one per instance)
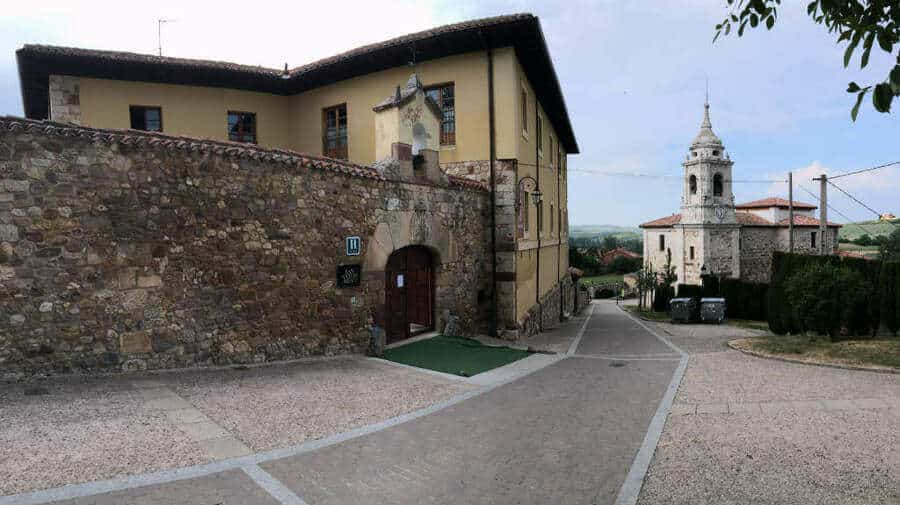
(601, 279)
(881, 352)
(852, 231)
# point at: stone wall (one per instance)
(127, 251)
(757, 246)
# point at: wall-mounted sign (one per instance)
(348, 276)
(400, 280)
(354, 244)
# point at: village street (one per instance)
(579, 427)
(567, 433)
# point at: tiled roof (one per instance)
(849, 254)
(465, 182)
(663, 222)
(157, 140)
(774, 202)
(800, 220)
(521, 31)
(750, 219)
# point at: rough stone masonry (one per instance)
(124, 250)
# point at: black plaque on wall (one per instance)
(348, 276)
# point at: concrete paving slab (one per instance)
(184, 416)
(744, 408)
(712, 408)
(224, 447)
(232, 487)
(203, 431)
(168, 403)
(839, 405)
(871, 403)
(683, 409)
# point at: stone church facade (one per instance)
(713, 232)
(215, 231)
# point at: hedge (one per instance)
(882, 283)
(661, 298)
(743, 300)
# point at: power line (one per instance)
(864, 170)
(873, 211)
(848, 220)
(639, 175)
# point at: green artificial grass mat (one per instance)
(454, 355)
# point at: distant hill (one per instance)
(602, 230)
(852, 231)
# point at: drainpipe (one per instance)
(540, 220)
(493, 154)
(558, 229)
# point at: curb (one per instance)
(856, 368)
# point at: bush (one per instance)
(689, 290)
(661, 297)
(827, 298)
(604, 293)
(888, 292)
(745, 300)
(623, 265)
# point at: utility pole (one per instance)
(823, 212)
(791, 212)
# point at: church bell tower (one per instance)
(707, 195)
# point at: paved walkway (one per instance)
(571, 432)
(744, 429)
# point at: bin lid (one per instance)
(712, 300)
(680, 300)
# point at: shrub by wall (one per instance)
(745, 300)
(863, 294)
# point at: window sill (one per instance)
(448, 147)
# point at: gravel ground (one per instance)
(783, 455)
(275, 407)
(84, 429)
(93, 428)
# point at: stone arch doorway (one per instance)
(409, 293)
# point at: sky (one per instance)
(633, 75)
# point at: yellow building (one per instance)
(503, 122)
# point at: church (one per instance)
(714, 235)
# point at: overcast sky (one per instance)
(632, 73)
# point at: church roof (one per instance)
(806, 221)
(663, 222)
(766, 203)
(706, 136)
(744, 219)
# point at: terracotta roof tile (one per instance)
(750, 219)
(663, 222)
(806, 221)
(774, 202)
(172, 142)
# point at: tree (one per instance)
(646, 283)
(852, 21)
(609, 243)
(890, 246)
(864, 240)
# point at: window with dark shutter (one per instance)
(334, 128)
(242, 127)
(145, 118)
(444, 96)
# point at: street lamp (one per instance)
(528, 183)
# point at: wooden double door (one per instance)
(409, 293)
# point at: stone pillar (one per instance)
(65, 99)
